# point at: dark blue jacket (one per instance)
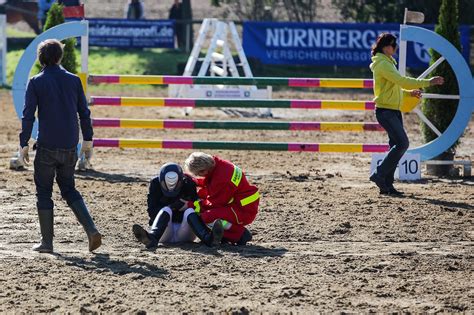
(157, 200)
(59, 97)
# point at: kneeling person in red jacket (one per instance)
(224, 194)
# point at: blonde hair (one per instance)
(198, 162)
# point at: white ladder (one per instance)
(219, 61)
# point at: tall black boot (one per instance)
(151, 239)
(83, 216)
(246, 237)
(210, 238)
(46, 222)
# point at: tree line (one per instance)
(368, 11)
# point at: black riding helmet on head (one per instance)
(171, 179)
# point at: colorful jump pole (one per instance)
(248, 125)
(407, 33)
(241, 103)
(234, 145)
(263, 81)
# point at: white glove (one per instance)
(23, 155)
(84, 164)
(86, 150)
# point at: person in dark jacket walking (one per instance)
(170, 209)
(135, 10)
(59, 97)
(176, 13)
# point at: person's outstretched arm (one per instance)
(29, 110)
(390, 73)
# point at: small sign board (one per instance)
(227, 93)
(74, 11)
(409, 166)
(123, 33)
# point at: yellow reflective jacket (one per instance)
(390, 88)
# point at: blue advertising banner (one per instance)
(131, 33)
(341, 44)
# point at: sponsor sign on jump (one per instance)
(131, 33)
(342, 44)
(408, 168)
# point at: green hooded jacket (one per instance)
(389, 85)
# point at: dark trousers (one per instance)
(59, 163)
(392, 122)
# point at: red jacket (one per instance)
(226, 184)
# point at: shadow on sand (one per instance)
(249, 250)
(111, 178)
(103, 263)
(441, 202)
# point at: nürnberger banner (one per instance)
(341, 44)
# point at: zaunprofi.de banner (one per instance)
(131, 33)
(341, 44)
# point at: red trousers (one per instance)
(237, 215)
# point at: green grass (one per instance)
(165, 61)
(13, 32)
(115, 61)
(147, 61)
(12, 60)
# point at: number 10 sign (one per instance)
(409, 166)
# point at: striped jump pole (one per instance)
(250, 146)
(236, 103)
(263, 81)
(240, 125)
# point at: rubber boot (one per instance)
(210, 238)
(389, 183)
(151, 239)
(380, 182)
(46, 222)
(246, 237)
(83, 216)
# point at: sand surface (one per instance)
(324, 239)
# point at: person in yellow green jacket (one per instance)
(390, 88)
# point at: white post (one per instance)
(233, 67)
(402, 54)
(220, 32)
(84, 164)
(408, 17)
(3, 49)
(193, 57)
(240, 50)
(426, 121)
(85, 50)
(431, 68)
(440, 96)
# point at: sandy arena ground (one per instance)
(324, 239)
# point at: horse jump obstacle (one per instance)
(257, 125)
(241, 145)
(407, 33)
(206, 103)
(222, 124)
(245, 103)
(275, 81)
